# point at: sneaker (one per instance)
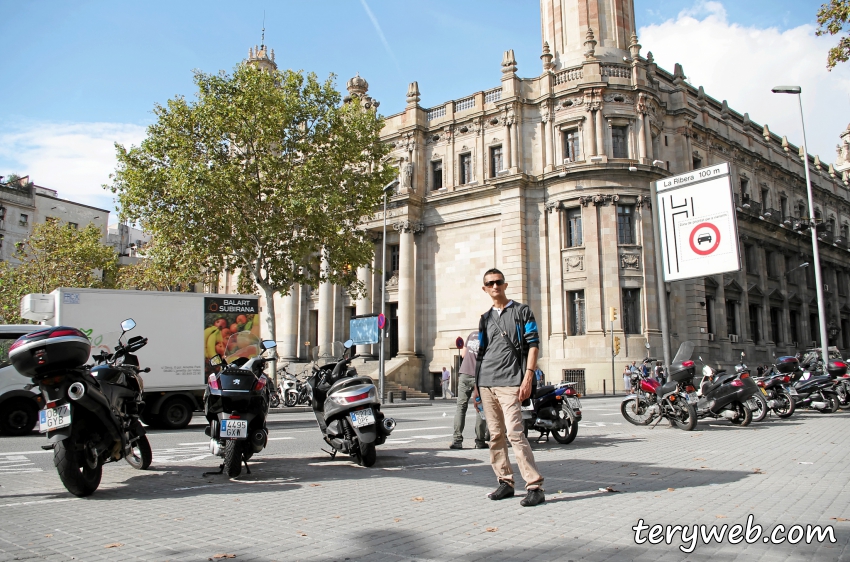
(504, 490)
(481, 445)
(456, 445)
(533, 497)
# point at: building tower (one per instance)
(261, 57)
(577, 30)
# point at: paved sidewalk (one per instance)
(424, 502)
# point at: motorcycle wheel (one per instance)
(290, 400)
(233, 458)
(832, 407)
(140, 456)
(843, 396)
(79, 479)
(274, 400)
(787, 407)
(745, 415)
(368, 455)
(634, 411)
(568, 434)
(687, 421)
(758, 405)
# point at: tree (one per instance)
(832, 18)
(163, 268)
(266, 173)
(55, 256)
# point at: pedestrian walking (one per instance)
(447, 383)
(465, 388)
(627, 379)
(506, 361)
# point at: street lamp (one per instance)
(387, 189)
(796, 90)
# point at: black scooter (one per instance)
(236, 403)
(722, 395)
(553, 409)
(815, 390)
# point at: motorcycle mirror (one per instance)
(348, 344)
(646, 345)
(215, 360)
(128, 324)
(269, 344)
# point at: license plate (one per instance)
(528, 407)
(763, 391)
(359, 418)
(234, 429)
(573, 402)
(54, 418)
(792, 391)
(693, 398)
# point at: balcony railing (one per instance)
(568, 75)
(492, 96)
(436, 113)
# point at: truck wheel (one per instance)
(176, 413)
(19, 416)
(77, 477)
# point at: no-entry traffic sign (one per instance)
(696, 221)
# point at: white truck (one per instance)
(183, 329)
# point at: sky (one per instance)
(81, 75)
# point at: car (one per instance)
(704, 238)
(18, 406)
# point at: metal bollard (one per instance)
(403, 395)
(603, 388)
(430, 395)
(391, 397)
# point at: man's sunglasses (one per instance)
(496, 282)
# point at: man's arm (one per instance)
(528, 377)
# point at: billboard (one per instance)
(224, 317)
(697, 224)
(364, 329)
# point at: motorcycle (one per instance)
(553, 409)
(236, 403)
(655, 401)
(815, 391)
(294, 390)
(779, 395)
(722, 395)
(91, 413)
(346, 406)
(757, 403)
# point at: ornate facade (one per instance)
(547, 178)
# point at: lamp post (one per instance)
(382, 333)
(796, 90)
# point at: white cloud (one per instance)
(741, 64)
(75, 159)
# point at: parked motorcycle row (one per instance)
(739, 397)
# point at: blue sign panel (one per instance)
(364, 330)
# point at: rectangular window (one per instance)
(571, 145)
(845, 230)
(495, 161)
(574, 237)
(814, 326)
(665, 140)
(24, 219)
(709, 314)
(465, 168)
(755, 334)
(770, 258)
(626, 224)
(794, 326)
(745, 189)
(750, 258)
(437, 174)
(620, 142)
(393, 260)
(631, 311)
(765, 195)
(697, 162)
(783, 207)
(775, 321)
(731, 317)
(577, 321)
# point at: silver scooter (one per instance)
(346, 406)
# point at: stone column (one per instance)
(600, 133)
(364, 303)
(326, 310)
(641, 137)
(544, 146)
(550, 142)
(557, 330)
(289, 324)
(508, 152)
(647, 129)
(406, 288)
(515, 163)
(590, 141)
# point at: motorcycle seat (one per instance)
(665, 388)
(543, 390)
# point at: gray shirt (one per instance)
(468, 365)
(500, 365)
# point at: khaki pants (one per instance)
(504, 420)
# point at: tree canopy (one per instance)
(265, 172)
(832, 19)
(55, 256)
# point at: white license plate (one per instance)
(54, 418)
(573, 401)
(792, 391)
(693, 398)
(234, 429)
(359, 418)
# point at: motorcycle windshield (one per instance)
(104, 342)
(328, 353)
(242, 344)
(685, 352)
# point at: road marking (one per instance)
(422, 428)
(279, 438)
(27, 453)
(38, 502)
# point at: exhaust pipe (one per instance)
(215, 448)
(389, 425)
(76, 391)
(258, 439)
(548, 424)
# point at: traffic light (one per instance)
(612, 313)
(616, 345)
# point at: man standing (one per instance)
(465, 386)
(507, 358)
(447, 383)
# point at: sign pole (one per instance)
(613, 369)
(661, 287)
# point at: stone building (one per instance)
(547, 178)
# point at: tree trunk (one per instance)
(268, 292)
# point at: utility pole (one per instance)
(612, 315)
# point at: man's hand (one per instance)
(525, 388)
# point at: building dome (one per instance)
(357, 86)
